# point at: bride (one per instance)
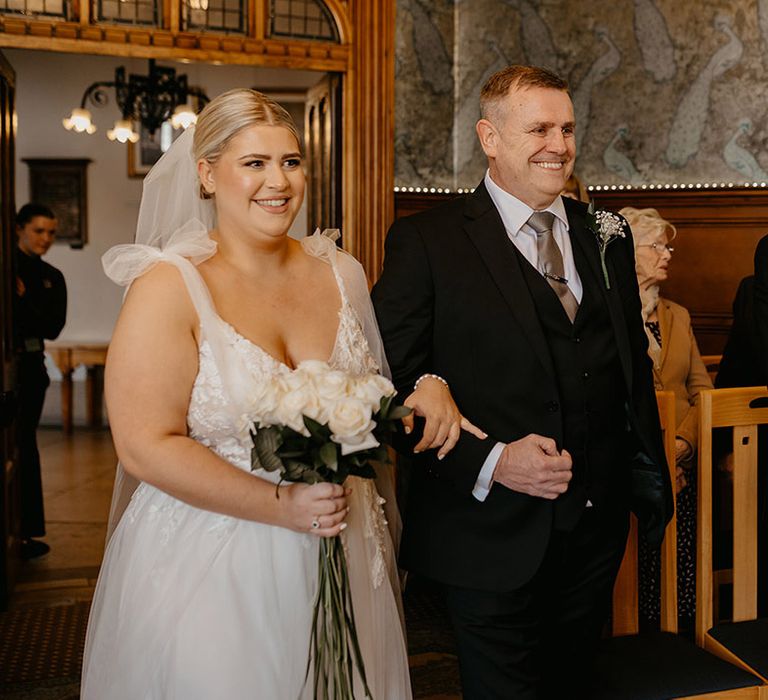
(208, 579)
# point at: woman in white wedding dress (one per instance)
(208, 579)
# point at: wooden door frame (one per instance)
(365, 57)
(8, 465)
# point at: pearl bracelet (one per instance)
(430, 376)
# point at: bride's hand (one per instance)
(318, 509)
(432, 400)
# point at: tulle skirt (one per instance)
(192, 605)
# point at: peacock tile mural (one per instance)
(664, 91)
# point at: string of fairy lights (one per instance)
(422, 189)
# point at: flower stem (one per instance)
(334, 647)
(605, 269)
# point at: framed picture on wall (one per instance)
(62, 185)
(143, 154)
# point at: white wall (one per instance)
(48, 86)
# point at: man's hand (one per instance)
(533, 465)
(20, 288)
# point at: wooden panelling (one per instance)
(105, 40)
(717, 231)
(407, 203)
(369, 132)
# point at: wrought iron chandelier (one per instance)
(149, 100)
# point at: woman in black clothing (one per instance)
(40, 310)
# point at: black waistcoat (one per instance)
(592, 391)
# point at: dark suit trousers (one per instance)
(33, 382)
(538, 641)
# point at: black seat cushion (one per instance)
(747, 640)
(661, 666)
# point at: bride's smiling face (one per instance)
(258, 181)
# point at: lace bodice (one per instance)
(231, 368)
(211, 418)
(213, 422)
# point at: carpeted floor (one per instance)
(41, 649)
(431, 646)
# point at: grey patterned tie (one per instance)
(551, 260)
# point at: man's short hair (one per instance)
(30, 211)
(512, 77)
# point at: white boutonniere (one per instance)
(607, 227)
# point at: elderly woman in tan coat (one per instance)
(677, 367)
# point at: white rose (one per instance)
(350, 422)
(263, 401)
(333, 385)
(371, 388)
(295, 397)
(315, 408)
(313, 368)
(368, 443)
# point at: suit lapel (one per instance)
(582, 237)
(485, 229)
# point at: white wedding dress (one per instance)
(193, 605)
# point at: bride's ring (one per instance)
(315, 523)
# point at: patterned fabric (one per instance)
(650, 560)
(653, 327)
(551, 260)
(650, 566)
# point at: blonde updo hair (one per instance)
(647, 224)
(228, 114)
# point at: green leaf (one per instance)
(366, 471)
(317, 430)
(297, 470)
(384, 405)
(265, 445)
(291, 454)
(380, 454)
(399, 412)
(329, 455)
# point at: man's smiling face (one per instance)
(530, 142)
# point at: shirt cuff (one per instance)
(485, 477)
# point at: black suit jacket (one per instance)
(761, 299)
(743, 361)
(452, 300)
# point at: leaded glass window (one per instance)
(139, 12)
(227, 16)
(61, 9)
(302, 19)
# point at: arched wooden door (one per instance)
(324, 143)
(359, 50)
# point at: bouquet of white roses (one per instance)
(319, 424)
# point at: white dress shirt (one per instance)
(514, 215)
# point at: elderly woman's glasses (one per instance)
(658, 247)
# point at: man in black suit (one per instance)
(503, 295)
(743, 361)
(760, 301)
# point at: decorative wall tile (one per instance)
(664, 91)
(424, 91)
